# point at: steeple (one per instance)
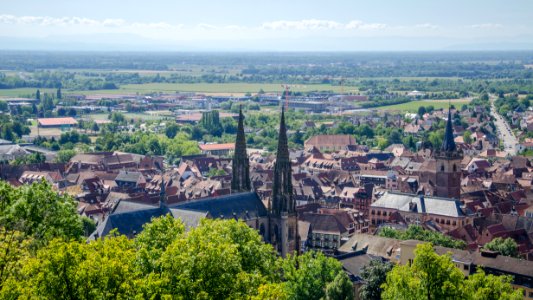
(162, 192)
(448, 144)
(282, 198)
(240, 181)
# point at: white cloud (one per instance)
(427, 26)
(364, 26)
(81, 21)
(315, 24)
(311, 24)
(486, 26)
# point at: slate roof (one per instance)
(128, 176)
(448, 145)
(241, 205)
(129, 217)
(324, 223)
(429, 205)
(12, 150)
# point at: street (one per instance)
(510, 142)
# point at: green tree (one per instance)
(467, 136)
(421, 111)
(216, 172)
(76, 270)
(95, 128)
(433, 276)
(64, 156)
(38, 95)
(154, 240)
(308, 275)
(341, 288)
(415, 232)
(507, 247)
(39, 212)
(58, 94)
(171, 130)
(430, 276)
(374, 274)
(481, 286)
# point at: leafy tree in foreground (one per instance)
(374, 274)
(39, 212)
(341, 288)
(433, 276)
(308, 274)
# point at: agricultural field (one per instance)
(135, 116)
(217, 88)
(23, 92)
(414, 105)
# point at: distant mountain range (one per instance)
(131, 42)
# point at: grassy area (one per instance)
(24, 92)
(220, 88)
(225, 88)
(136, 116)
(414, 105)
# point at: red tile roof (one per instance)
(211, 147)
(57, 121)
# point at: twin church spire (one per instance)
(282, 199)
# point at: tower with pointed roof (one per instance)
(448, 162)
(240, 181)
(162, 192)
(283, 218)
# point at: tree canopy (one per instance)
(415, 232)
(433, 276)
(219, 259)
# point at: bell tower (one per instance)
(283, 217)
(448, 161)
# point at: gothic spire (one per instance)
(282, 198)
(162, 192)
(240, 181)
(283, 147)
(448, 144)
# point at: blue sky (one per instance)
(267, 25)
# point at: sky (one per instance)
(267, 25)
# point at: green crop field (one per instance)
(24, 92)
(226, 87)
(414, 105)
(223, 88)
(135, 116)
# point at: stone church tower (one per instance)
(283, 222)
(240, 181)
(448, 161)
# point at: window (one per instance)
(454, 168)
(442, 168)
(465, 267)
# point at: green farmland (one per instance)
(414, 105)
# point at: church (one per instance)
(442, 208)
(277, 222)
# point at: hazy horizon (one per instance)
(310, 26)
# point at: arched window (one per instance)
(442, 168)
(454, 168)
